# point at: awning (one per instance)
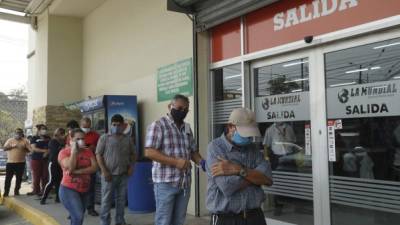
(22, 10)
(210, 13)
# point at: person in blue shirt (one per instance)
(236, 170)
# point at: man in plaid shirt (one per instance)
(170, 144)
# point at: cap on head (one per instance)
(245, 121)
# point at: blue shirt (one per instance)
(40, 142)
(223, 192)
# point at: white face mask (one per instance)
(86, 130)
(43, 132)
(81, 144)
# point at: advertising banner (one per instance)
(285, 107)
(364, 100)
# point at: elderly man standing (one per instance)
(170, 144)
(236, 170)
(115, 155)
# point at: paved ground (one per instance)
(58, 212)
(8, 217)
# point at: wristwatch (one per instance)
(243, 172)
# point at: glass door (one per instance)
(363, 119)
(281, 100)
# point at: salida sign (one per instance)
(367, 100)
(285, 107)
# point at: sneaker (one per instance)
(42, 201)
(16, 193)
(93, 212)
(57, 200)
(5, 195)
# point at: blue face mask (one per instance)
(239, 140)
(115, 130)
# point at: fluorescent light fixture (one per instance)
(296, 80)
(230, 77)
(375, 68)
(356, 71)
(342, 84)
(239, 89)
(12, 12)
(398, 77)
(388, 45)
(295, 63)
(297, 90)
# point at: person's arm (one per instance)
(196, 157)
(88, 170)
(39, 150)
(101, 146)
(69, 163)
(8, 146)
(158, 156)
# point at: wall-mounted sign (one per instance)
(365, 100)
(175, 79)
(307, 137)
(331, 141)
(285, 107)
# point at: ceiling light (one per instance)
(295, 63)
(356, 71)
(297, 90)
(230, 77)
(398, 77)
(296, 80)
(375, 68)
(342, 84)
(388, 45)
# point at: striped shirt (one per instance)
(165, 136)
(223, 192)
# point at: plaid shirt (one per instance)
(165, 136)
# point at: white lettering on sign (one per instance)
(318, 8)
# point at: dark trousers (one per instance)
(92, 192)
(251, 218)
(39, 174)
(12, 169)
(55, 176)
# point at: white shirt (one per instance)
(279, 138)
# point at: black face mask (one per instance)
(178, 115)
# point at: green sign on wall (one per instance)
(175, 79)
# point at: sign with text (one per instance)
(284, 107)
(175, 79)
(364, 100)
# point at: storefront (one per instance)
(323, 77)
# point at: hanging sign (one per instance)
(364, 100)
(284, 107)
(331, 141)
(307, 132)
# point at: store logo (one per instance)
(343, 96)
(117, 103)
(305, 13)
(265, 104)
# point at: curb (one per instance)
(34, 216)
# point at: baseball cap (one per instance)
(245, 121)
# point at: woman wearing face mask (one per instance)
(55, 145)
(39, 162)
(77, 163)
(16, 148)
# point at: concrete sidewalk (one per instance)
(7, 217)
(55, 214)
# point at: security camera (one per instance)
(308, 39)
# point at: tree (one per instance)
(8, 124)
(18, 94)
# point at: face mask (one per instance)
(178, 115)
(17, 136)
(81, 143)
(239, 140)
(86, 130)
(116, 130)
(43, 132)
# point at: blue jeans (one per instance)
(75, 203)
(117, 188)
(171, 204)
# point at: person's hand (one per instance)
(107, 176)
(130, 170)
(74, 147)
(224, 168)
(182, 164)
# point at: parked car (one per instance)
(3, 160)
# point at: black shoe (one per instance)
(42, 201)
(31, 193)
(57, 200)
(5, 195)
(92, 212)
(16, 193)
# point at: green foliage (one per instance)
(7, 126)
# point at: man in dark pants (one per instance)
(17, 148)
(236, 170)
(91, 139)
